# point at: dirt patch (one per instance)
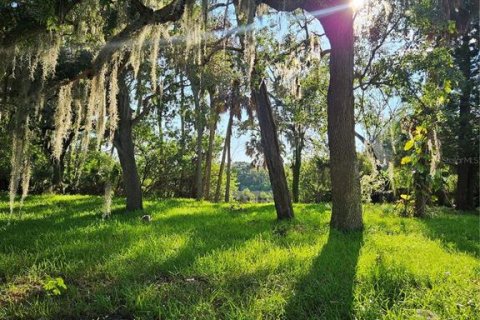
(21, 290)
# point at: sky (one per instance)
(279, 21)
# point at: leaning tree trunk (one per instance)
(346, 197)
(222, 164)
(245, 15)
(271, 149)
(123, 142)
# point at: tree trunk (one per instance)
(222, 164)
(271, 149)
(346, 197)
(245, 15)
(58, 166)
(211, 140)
(160, 126)
(182, 186)
(200, 129)
(420, 203)
(296, 177)
(297, 164)
(466, 170)
(123, 142)
(421, 187)
(229, 168)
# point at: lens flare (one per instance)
(357, 4)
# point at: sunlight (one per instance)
(357, 4)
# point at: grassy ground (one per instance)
(206, 261)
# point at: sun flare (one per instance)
(357, 4)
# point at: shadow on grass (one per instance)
(105, 259)
(326, 292)
(456, 231)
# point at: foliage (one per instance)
(54, 286)
(245, 196)
(251, 178)
(315, 181)
(99, 168)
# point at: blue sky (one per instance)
(280, 26)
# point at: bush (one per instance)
(246, 196)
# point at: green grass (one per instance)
(205, 261)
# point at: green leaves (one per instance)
(54, 286)
(451, 27)
(52, 23)
(410, 143)
(405, 197)
(406, 160)
(414, 145)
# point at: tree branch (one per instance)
(170, 13)
(27, 26)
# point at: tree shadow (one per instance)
(327, 291)
(121, 258)
(455, 231)
(175, 276)
(206, 233)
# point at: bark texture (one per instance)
(338, 26)
(299, 137)
(200, 126)
(271, 149)
(346, 196)
(466, 169)
(123, 142)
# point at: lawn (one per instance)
(208, 261)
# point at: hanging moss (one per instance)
(89, 114)
(78, 107)
(250, 53)
(44, 55)
(27, 172)
(262, 9)
(434, 147)
(156, 35)
(62, 119)
(136, 54)
(288, 73)
(192, 30)
(245, 15)
(18, 158)
(40, 104)
(15, 174)
(112, 100)
(107, 199)
(391, 177)
(101, 109)
(96, 111)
